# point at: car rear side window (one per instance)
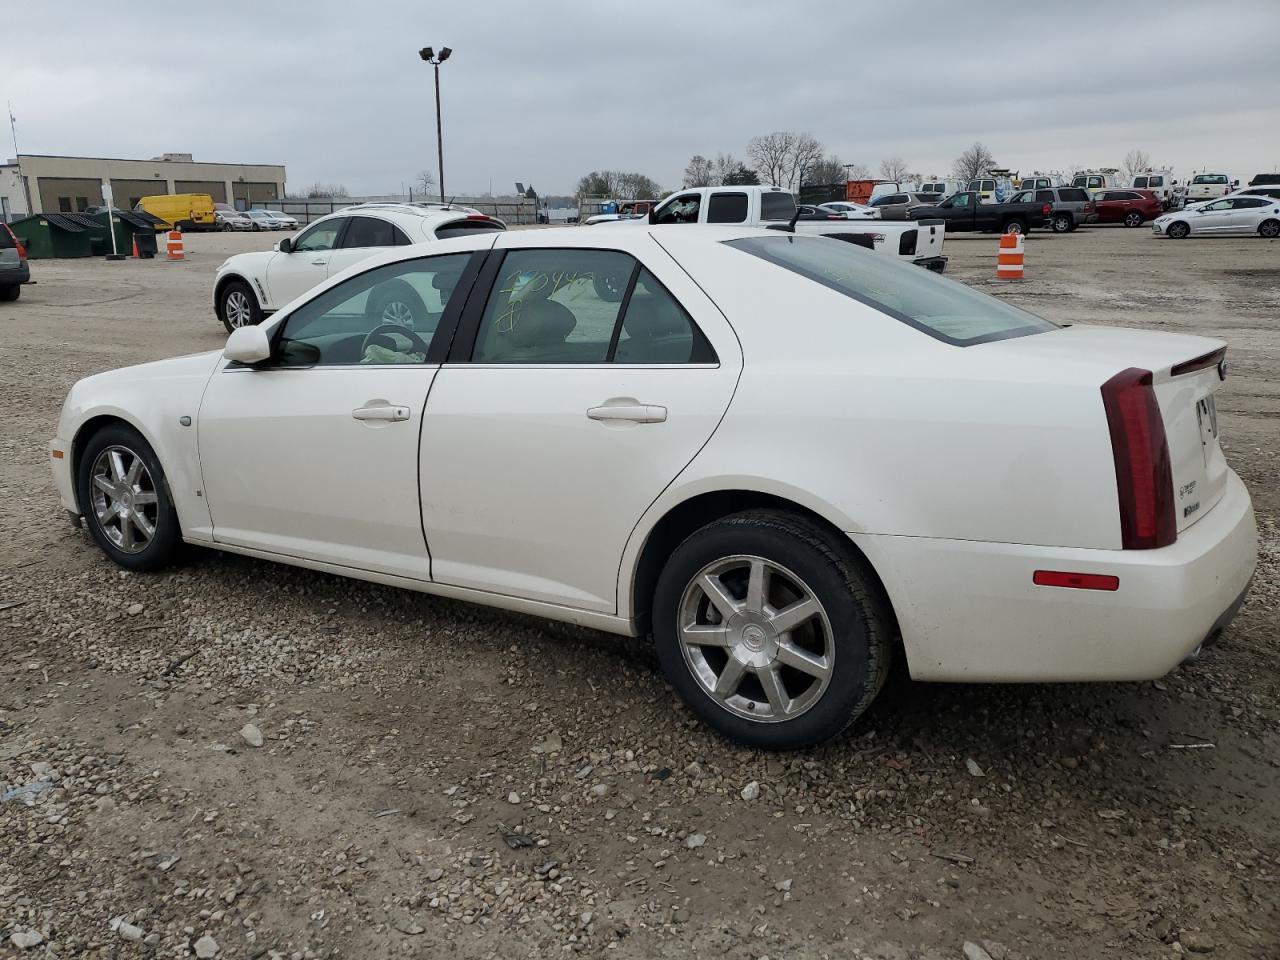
(943, 309)
(373, 232)
(777, 205)
(727, 208)
(1044, 196)
(1072, 195)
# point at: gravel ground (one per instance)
(237, 759)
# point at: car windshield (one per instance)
(944, 309)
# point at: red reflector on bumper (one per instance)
(1080, 581)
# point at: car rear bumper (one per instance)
(11, 276)
(935, 264)
(969, 611)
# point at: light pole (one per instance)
(430, 56)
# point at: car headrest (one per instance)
(647, 319)
(542, 323)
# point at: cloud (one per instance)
(544, 92)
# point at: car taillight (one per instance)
(22, 251)
(1047, 208)
(1089, 206)
(1144, 476)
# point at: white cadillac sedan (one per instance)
(786, 458)
(1238, 214)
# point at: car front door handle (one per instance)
(381, 411)
(320, 261)
(629, 409)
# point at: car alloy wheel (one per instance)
(1178, 230)
(756, 638)
(1061, 224)
(397, 311)
(1270, 229)
(237, 309)
(1014, 227)
(1133, 219)
(123, 496)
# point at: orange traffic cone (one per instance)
(175, 251)
(136, 255)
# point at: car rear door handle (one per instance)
(381, 411)
(629, 410)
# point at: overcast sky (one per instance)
(544, 92)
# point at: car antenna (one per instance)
(791, 225)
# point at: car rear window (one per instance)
(1210, 178)
(944, 309)
(777, 206)
(6, 238)
(463, 228)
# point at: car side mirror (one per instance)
(248, 345)
(285, 245)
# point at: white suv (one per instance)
(251, 286)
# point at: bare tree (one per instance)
(805, 154)
(636, 186)
(425, 181)
(724, 165)
(771, 156)
(700, 172)
(826, 171)
(974, 162)
(895, 168)
(1135, 161)
(857, 171)
(327, 190)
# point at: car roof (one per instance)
(425, 216)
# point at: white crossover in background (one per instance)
(787, 458)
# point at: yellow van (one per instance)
(186, 211)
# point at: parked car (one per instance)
(1072, 206)
(809, 211)
(14, 269)
(1055, 506)
(233, 220)
(1239, 214)
(991, 189)
(289, 221)
(851, 210)
(894, 206)
(262, 220)
(965, 212)
(1208, 186)
(1262, 190)
(941, 189)
(1093, 180)
(249, 287)
(181, 211)
(1130, 207)
(1265, 180)
(1163, 184)
(773, 207)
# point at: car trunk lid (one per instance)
(1186, 373)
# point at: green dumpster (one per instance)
(56, 235)
(127, 226)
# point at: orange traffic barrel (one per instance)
(1009, 260)
(175, 246)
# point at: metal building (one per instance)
(58, 184)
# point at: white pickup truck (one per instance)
(918, 241)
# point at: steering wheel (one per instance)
(404, 331)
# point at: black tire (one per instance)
(225, 310)
(609, 287)
(1133, 219)
(396, 302)
(9, 294)
(166, 539)
(1267, 228)
(1014, 225)
(861, 621)
(1178, 230)
(1063, 223)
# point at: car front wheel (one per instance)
(774, 634)
(125, 499)
(238, 307)
(1178, 230)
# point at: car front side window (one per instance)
(387, 315)
(321, 236)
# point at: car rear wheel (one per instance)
(1178, 230)
(1062, 223)
(237, 307)
(396, 302)
(773, 634)
(10, 293)
(125, 499)
(1014, 226)
(1268, 228)
(1133, 219)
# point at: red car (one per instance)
(1130, 207)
